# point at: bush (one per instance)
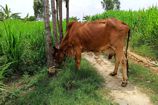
(31, 18)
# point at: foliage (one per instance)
(5, 13)
(38, 9)
(144, 28)
(110, 4)
(29, 18)
(86, 18)
(74, 18)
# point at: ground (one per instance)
(130, 95)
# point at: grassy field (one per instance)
(23, 64)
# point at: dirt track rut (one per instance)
(130, 95)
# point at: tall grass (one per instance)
(144, 27)
(21, 47)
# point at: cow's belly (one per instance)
(104, 49)
(97, 48)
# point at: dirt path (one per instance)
(130, 95)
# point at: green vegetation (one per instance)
(5, 13)
(38, 6)
(21, 47)
(68, 87)
(144, 28)
(146, 79)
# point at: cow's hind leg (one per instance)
(120, 58)
(124, 71)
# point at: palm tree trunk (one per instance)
(60, 20)
(67, 13)
(48, 46)
(54, 22)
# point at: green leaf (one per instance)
(4, 67)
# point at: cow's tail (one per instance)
(126, 50)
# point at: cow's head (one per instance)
(58, 55)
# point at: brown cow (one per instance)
(98, 36)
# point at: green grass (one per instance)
(68, 87)
(145, 79)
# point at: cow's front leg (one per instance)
(78, 59)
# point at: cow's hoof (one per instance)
(113, 74)
(124, 83)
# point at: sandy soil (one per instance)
(130, 95)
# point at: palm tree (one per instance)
(49, 49)
(6, 13)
